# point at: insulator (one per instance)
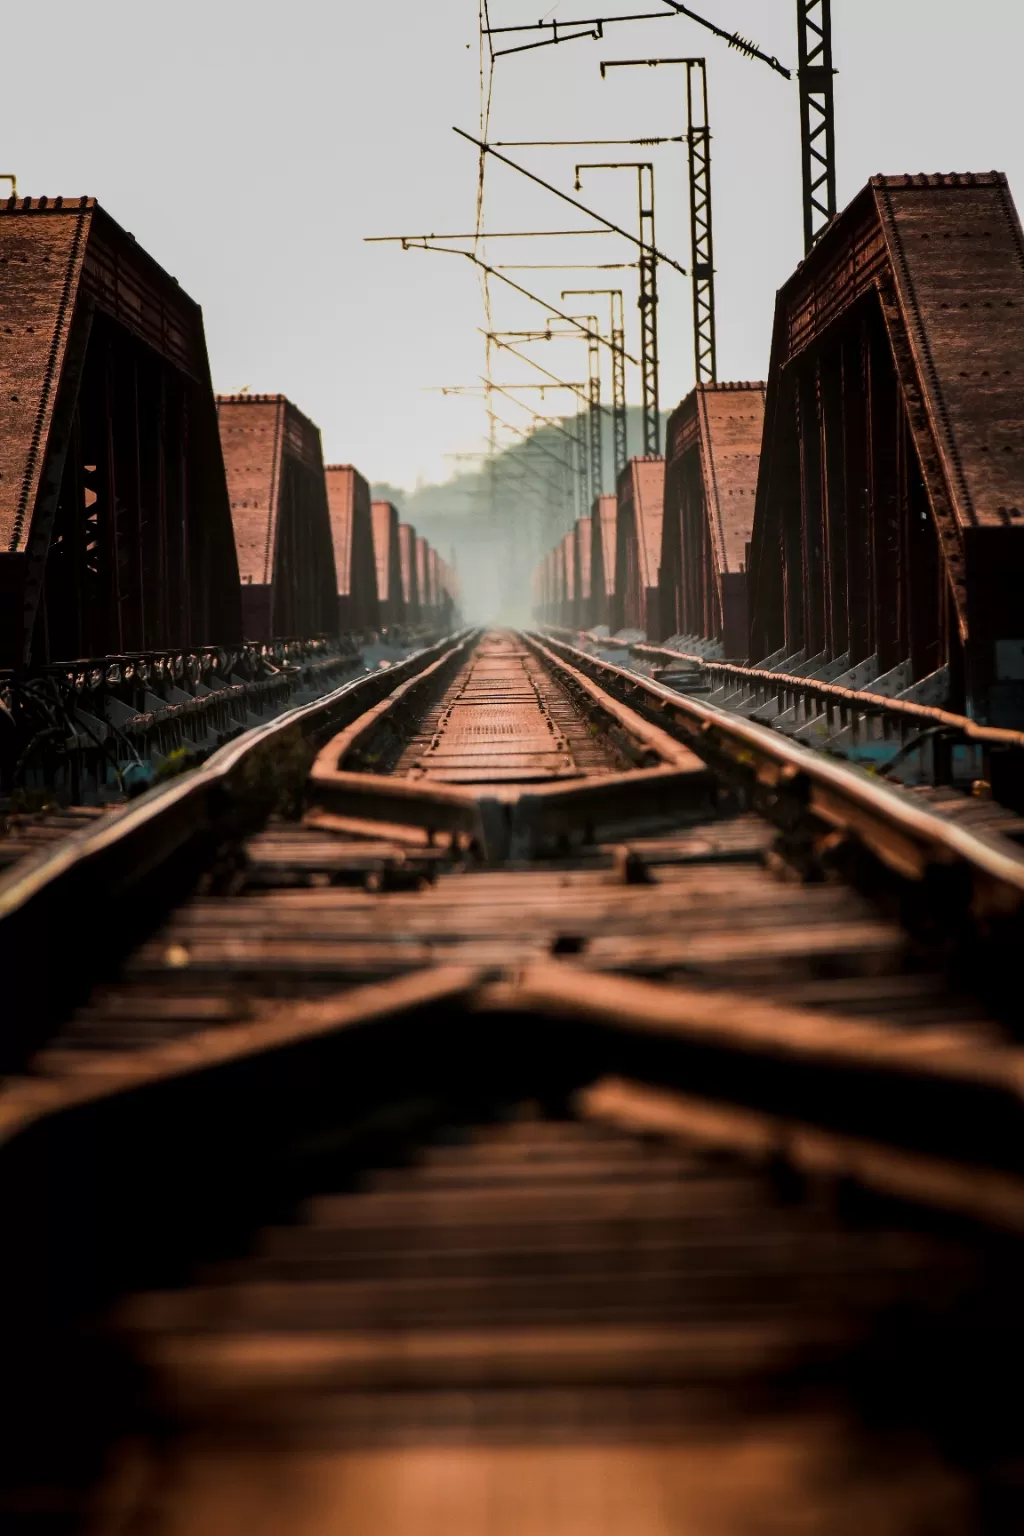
(744, 44)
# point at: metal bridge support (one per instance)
(817, 116)
(711, 463)
(115, 526)
(889, 528)
(279, 507)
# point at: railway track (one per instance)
(869, 722)
(506, 1093)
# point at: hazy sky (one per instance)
(251, 146)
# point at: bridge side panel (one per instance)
(584, 533)
(120, 528)
(304, 573)
(410, 577)
(646, 513)
(569, 597)
(352, 538)
(251, 431)
(387, 552)
(714, 443)
(891, 461)
(603, 521)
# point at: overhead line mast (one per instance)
(614, 228)
(817, 116)
(648, 301)
(620, 456)
(702, 256)
(815, 73)
(596, 465)
(501, 339)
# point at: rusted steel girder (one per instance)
(275, 472)
(348, 496)
(583, 533)
(568, 564)
(641, 495)
(426, 580)
(714, 444)
(603, 518)
(388, 553)
(411, 596)
(115, 528)
(889, 521)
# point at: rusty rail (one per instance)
(865, 714)
(518, 819)
(788, 780)
(90, 892)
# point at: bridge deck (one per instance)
(504, 720)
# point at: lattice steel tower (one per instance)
(817, 116)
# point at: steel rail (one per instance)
(513, 820)
(85, 896)
(127, 859)
(909, 840)
(789, 687)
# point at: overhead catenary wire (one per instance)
(548, 421)
(501, 234)
(702, 266)
(567, 266)
(529, 437)
(514, 458)
(416, 243)
(505, 346)
(594, 28)
(675, 138)
(473, 389)
(488, 384)
(616, 228)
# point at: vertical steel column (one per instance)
(817, 115)
(77, 535)
(648, 305)
(582, 475)
(162, 584)
(492, 441)
(619, 431)
(113, 550)
(594, 411)
(648, 302)
(833, 491)
(617, 338)
(885, 411)
(186, 490)
(702, 256)
(702, 261)
(859, 605)
(140, 536)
